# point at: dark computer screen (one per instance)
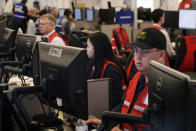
(89, 15)
(106, 16)
(95, 15)
(25, 45)
(168, 90)
(187, 19)
(171, 19)
(7, 40)
(63, 75)
(192, 106)
(144, 14)
(27, 54)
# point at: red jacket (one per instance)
(138, 106)
(55, 34)
(157, 27)
(185, 5)
(129, 68)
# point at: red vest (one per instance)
(119, 39)
(106, 63)
(186, 5)
(129, 68)
(189, 62)
(139, 105)
(55, 34)
(166, 58)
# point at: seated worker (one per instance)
(105, 65)
(150, 45)
(41, 12)
(47, 28)
(158, 19)
(68, 22)
(20, 15)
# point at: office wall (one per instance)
(58, 3)
(102, 3)
(167, 4)
(173, 4)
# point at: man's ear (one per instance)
(162, 55)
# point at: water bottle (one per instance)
(81, 125)
(19, 31)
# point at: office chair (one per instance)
(186, 54)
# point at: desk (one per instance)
(16, 82)
(22, 105)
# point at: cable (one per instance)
(22, 80)
(27, 78)
(9, 77)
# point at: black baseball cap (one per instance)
(150, 38)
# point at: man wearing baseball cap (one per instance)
(150, 45)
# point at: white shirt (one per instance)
(170, 50)
(31, 27)
(57, 40)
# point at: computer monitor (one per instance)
(61, 12)
(171, 19)
(78, 13)
(96, 104)
(25, 45)
(95, 15)
(168, 91)
(192, 106)
(7, 40)
(144, 14)
(63, 75)
(89, 15)
(106, 16)
(187, 19)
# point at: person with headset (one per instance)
(68, 22)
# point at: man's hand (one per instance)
(94, 121)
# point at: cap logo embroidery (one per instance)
(142, 35)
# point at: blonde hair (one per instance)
(50, 17)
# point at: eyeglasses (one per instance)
(43, 24)
(142, 52)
